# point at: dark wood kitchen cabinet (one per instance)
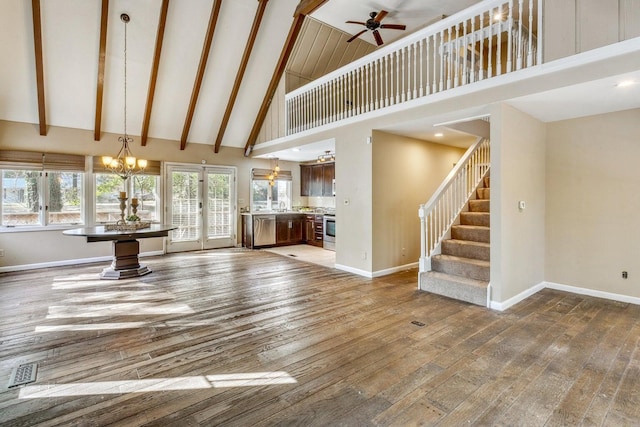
(289, 229)
(313, 229)
(317, 180)
(328, 177)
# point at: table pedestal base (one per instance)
(125, 261)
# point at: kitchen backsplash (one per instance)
(318, 202)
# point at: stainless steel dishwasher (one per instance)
(264, 230)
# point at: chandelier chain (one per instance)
(125, 80)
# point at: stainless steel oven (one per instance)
(329, 232)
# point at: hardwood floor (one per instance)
(241, 338)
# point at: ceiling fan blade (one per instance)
(380, 16)
(393, 26)
(378, 37)
(356, 36)
(355, 22)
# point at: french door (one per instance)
(201, 202)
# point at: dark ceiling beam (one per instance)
(154, 72)
(257, 20)
(37, 41)
(304, 8)
(101, 60)
(213, 19)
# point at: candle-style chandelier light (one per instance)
(125, 163)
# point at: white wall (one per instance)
(517, 173)
(593, 203)
(574, 26)
(354, 233)
(52, 246)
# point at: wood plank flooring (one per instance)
(250, 338)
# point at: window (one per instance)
(26, 192)
(146, 188)
(270, 197)
(41, 189)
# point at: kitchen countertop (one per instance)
(284, 213)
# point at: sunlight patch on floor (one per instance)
(156, 385)
(121, 309)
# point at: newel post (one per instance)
(423, 239)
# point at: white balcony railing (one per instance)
(491, 38)
(439, 213)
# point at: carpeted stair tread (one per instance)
(460, 266)
(467, 249)
(476, 233)
(483, 193)
(479, 205)
(475, 218)
(456, 287)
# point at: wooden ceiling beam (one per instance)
(213, 19)
(154, 72)
(101, 61)
(308, 6)
(37, 41)
(257, 20)
(304, 8)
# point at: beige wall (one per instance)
(22, 136)
(574, 26)
(517, 173)
(593, 203)
(406, 172)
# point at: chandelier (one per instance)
(326, 157)
(274, 174)
(125, 163)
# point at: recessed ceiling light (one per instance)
(295, 149)
(626, 83)
(439, 135)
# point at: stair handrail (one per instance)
(439, 213)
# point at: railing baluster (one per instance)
(456, 57)
(499, 47)
(530, 36)
(519, 41)
(510, 38)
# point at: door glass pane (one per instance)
(20, 197)
(184, 206)
(218, 205)
(65, 197)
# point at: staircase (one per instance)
(461, 271)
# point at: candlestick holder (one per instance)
(134, 206)
(123, 207)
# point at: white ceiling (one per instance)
(70, 30)
(415, 14)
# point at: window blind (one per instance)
(264, 174)
(15, 159)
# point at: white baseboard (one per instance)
(357, 271)
(67, 262)
(379, 273)
(593, 293)
(501, 306)
(392, 270)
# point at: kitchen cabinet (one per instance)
(313, 230)
(289, 229)
(317, 180)
(328, 177)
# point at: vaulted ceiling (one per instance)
(71, 51)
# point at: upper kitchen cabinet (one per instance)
(317, 180)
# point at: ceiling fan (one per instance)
(374, 24)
